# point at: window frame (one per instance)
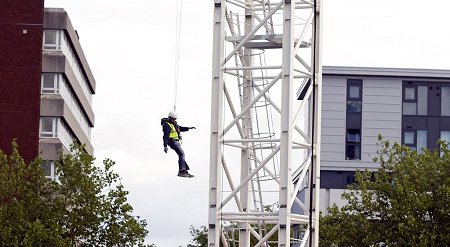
(352, 83)
(414, 132)
(52, 47)
(56, 84)
(409, 101)
(53, 174)
(49, 134)
(354, 120)
(415, 143)
(442, 98)
(355, 144)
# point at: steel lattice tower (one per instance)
(265, 155)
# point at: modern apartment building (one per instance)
(407, 106)
(46, 85)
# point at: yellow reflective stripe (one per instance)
(173, 132)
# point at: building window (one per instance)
(354, 94)
(52, 40)
(415, 100)
(353, 119)
(49, 170)
(50, 83)
(415, 139)
(422, 139)
(445, 136)
(445, 101)
(49, 127)
(353, 144)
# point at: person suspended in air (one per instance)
(172, 138)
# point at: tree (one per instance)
(87, 206)
(199, 236)
(406, 202)
(27, 209)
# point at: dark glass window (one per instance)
(415, 139)
(354, 94)
(445, 101)
(353, 145)
(353, 120)
(415, 100)
(353, 136)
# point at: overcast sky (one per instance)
(130, 47)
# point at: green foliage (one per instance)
(87, 206)
(199, 236)
(404, 203)
(27, 215)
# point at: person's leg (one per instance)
(182, 165)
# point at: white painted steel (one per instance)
(214, 223)
(261, 152)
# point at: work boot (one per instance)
(185, 174)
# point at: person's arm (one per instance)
(166, 130)
(184, 129)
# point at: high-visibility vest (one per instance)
(173, 132)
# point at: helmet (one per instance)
(173, 114)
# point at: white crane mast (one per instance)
(265, 123)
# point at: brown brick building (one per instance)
(46, 85)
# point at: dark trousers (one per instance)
(176, 146)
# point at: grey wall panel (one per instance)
(333, 123)
(333, 106)
(332, 139)
(380, 99)
(337, 156)
(371, 107)
(333, 115)
(386, 133)
(382, 112)
(347, 165)
(333, 98)
(332, 147)
(375, 115)
(333, 131)
(51, 106)
(333, 119)
(335, 87)
(49, 149)
(387, 124)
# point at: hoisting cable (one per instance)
(177, 50)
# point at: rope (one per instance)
(177, 50)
